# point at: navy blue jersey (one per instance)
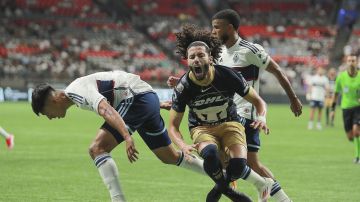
(213, 104)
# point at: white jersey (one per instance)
(318, 85)
(87, 92)
(251, 60)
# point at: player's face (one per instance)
(351, 61)
(332, 73)
(320, 71)
(198, 61)
(220, 29)
(52, 109)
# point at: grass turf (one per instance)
(50, 161)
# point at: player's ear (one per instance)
(211, 58)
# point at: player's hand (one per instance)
(166, 105)
(187, 150)
(131, 151)
(172, 81)
(261, 125)
(296, 106)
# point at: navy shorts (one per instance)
(351, 117)
(142, 113)
(316, 104)
(252, 135)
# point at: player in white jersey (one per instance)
(329, 110)
(251, 60)
(127, 104)
(318, 87)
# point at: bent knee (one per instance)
(95, 150)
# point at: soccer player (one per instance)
(9, 138)
(348, 85)
(251, 60)
(127, 104)
(330, 113)
(318, 88)
(208, 91)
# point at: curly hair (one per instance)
(190, 34)
(231, 16)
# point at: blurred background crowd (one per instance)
(60, 40)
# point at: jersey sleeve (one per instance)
(179, 97)
(84, 96)
(257, 56)
(237, 80)
(338, 84)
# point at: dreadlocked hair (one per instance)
(189, 34)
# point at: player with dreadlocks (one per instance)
(208, 91)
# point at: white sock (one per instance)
(4, 133)
(252, 177)
(195, 164)
(280, 196)
(110, 176)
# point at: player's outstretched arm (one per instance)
(260, 105)
(295, 103)
(175, 134)
(112, 117)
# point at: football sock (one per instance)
(4, 133)
(252, 177)
(357, 147)
(212, 165)
(278, 194)
(109, 174)
(195, 164)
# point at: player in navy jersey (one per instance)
(214, 125)
(127, 104)
(251, 60)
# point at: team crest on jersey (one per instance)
(179, 87)
(236, 57)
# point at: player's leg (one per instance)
(99, 151)
(253, 160)
(332, 117)
(213, 167)
(328, 110)
(319, 106)
(327, 115)
(146, 116)
(9, 138)
(169, 155)
(234, 141)
(356, 132)
(312, 112)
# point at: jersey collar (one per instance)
(234, 47)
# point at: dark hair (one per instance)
(229, 15)
(39, 96)
(190, 34)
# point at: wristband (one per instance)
(261, 118)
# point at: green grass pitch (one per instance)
(50, 161)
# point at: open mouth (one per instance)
(198, 70)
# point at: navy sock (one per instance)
(212, 165)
